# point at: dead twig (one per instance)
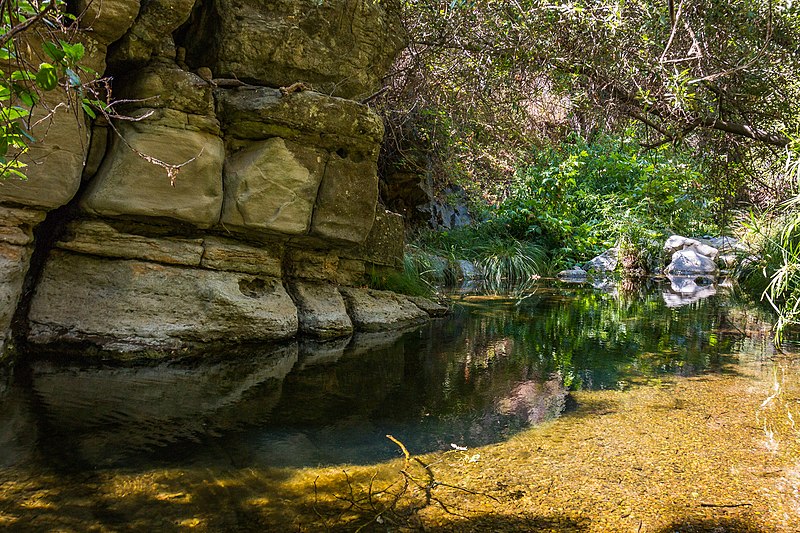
(723, 505)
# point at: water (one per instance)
(494, 367)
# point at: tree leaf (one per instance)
(54, 51)
(47, 77)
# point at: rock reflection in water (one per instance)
(494, 367)
(104, 415)
(685, 290)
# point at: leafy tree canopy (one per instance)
(480, 79)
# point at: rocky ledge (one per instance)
(238, 202)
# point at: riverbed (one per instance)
(556, 408)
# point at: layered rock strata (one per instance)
(239, 200)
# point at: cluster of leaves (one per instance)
(39, 54)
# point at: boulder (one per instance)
(703, 249)
(373, 310)
(128, 184)
(272, 185)
(130, 306)
(467, 270)
(341, 47)
(690, 262)
(573, 275)
(724, 243)
(678, 242)
(320, 310)
(605, 262)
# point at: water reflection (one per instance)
(495, 366)
(685, 290)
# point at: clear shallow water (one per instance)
(495, 366)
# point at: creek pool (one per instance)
(495, 366)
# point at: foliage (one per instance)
(501, 259)
(40, 32)
(771, 268)
(479, 81)
(409, 281)
(504, 263)
(580, 198)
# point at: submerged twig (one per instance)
(706, 504)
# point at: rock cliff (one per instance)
(235, 204)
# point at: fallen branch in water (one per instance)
(400, 501)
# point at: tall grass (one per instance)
(507, 262)
(773, 269)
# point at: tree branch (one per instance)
(22, 26)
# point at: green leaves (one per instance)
(47, 77)
(21, 89)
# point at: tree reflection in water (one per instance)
(492, 368)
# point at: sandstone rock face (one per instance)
(16, 225)
(128, 185)
(151, 32)
(344, 167)
(347, 200)
(305, 116)
(96, 237)
(372, 310)
(384, 244)
(341, 47)
(432, 308)
(130, 306)
(165, 85)
(226, 182)
(13, 266)
(226, 254)
(321, 310)
(16, 237)
(272, 185)
(55, 161)
(108, 20)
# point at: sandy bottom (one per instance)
(711, 453)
